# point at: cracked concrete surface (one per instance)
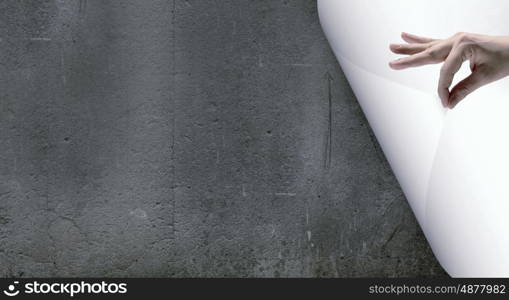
(189, 138)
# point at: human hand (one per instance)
(488, 56)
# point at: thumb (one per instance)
(465, 87)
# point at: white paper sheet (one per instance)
(452, 165)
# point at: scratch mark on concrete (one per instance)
(260, 62)
(334, 265)
(42, 39)
(83, 6)
(301, 65)
(286, 194)
(393, 233)
(234, 28)
(174, 116)
(244, 194)
(74, 223)
(62, 66)
(328, 156)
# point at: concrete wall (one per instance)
(189, 138)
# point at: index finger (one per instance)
(416, 60)
(450, 67)
(412, 38)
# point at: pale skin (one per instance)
(488, 57)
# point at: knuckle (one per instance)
(482, 69)
(459, 34)
(463, 92)
(433, 53)
(466, 52)
(461, 37)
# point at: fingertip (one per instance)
(394, 65)
(445, 103)
(455, 98)
(443, 94)
(408, 37)
(394, 47)
(453, 102)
